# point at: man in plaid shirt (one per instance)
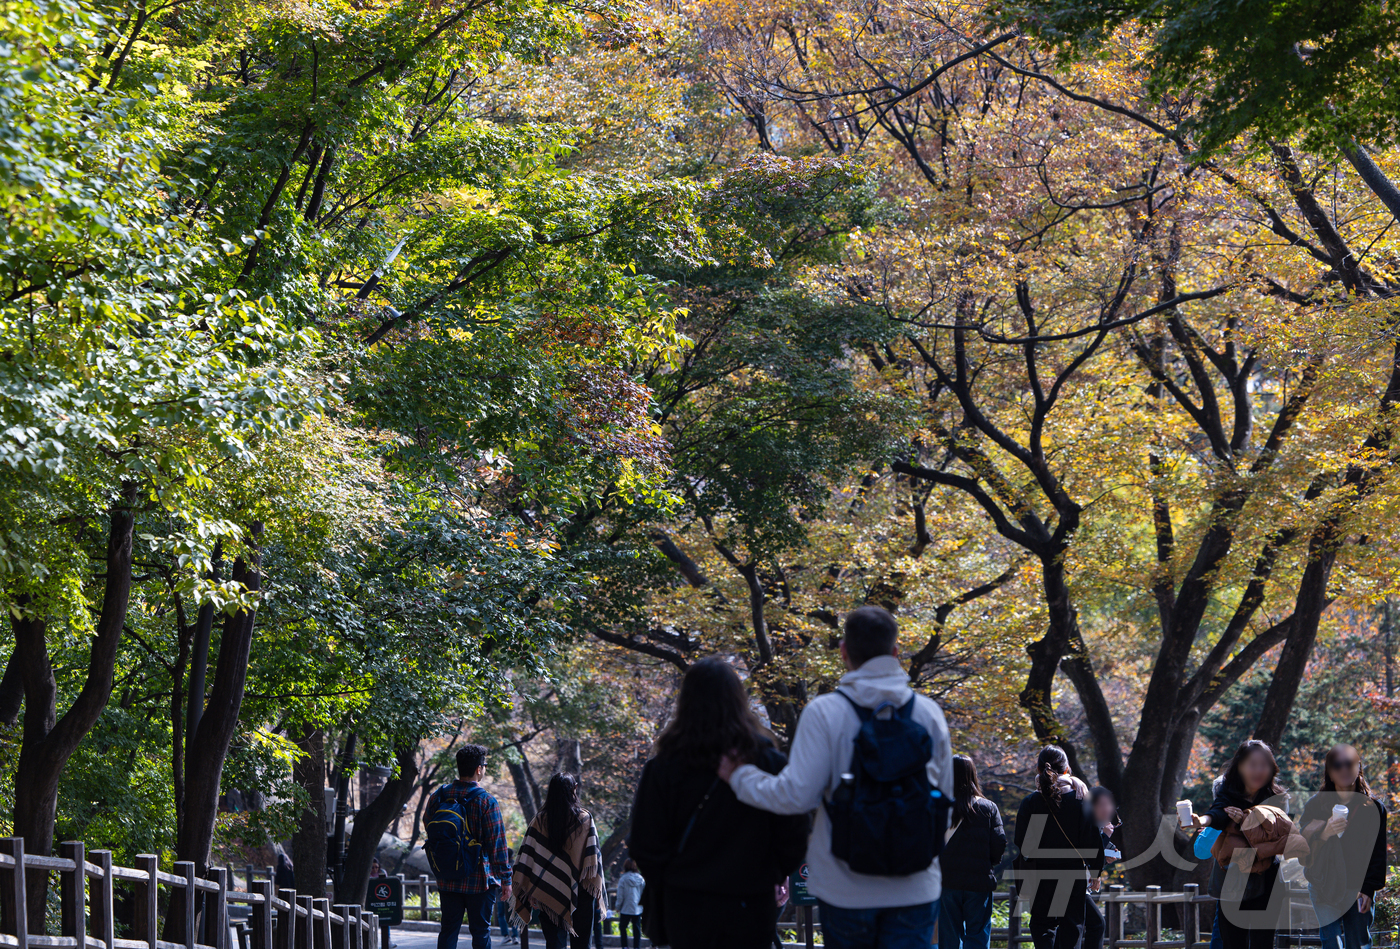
(474, 897)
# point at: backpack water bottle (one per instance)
(887, 818)
(451, 849)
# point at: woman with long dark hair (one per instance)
(1245, 918)
(1344, 825)
(559, 870)
(1060, 847)
(975, 844)
(711, 861)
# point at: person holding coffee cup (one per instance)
(1247, 919)
(1344, 825)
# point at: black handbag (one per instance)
(653, 899)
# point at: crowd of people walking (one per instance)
(897, 837)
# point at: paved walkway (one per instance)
(416, 938)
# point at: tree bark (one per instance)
(371, 821)
(345, 766)
(526, 791)
(199, 664)
(569, 756)
(11, 693)
(209, 745)
(309, 839)
(48, 741)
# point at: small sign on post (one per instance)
(799, 894)
(385, 900)
(804, 901)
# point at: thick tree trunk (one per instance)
(345, 766)
(48, 741)
(1297, 648)
(199, 665)
(569, 760)
(309, 840)
(209, 745)
(371, 821)
(526, 790)
(11, 693)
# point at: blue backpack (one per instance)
(889, 819)
(451, 849)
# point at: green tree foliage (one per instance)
(1281, 67)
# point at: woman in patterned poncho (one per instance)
(559, 870)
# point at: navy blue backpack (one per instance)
(451, 849)
(889, 819)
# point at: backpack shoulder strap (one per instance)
(864, 713)
(906, 711)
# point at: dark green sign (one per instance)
(799, 894)
(385, 899)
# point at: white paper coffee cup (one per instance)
(1183, 813)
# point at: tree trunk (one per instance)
(371, 821)
(1297, 649)
(526, 791)
(309, 840)
(217, 726)
(616, 842)
(199, 664)
(11, 693)
(48, 741)
(570, 757)
(345, 765)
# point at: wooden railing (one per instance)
(194, 913)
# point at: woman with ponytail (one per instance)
(1060, 849)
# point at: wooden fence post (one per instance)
(73, 891)
(216, 920)
(1013, 918)
(104, 926)
(1114, 916)
(1191, 916)
(1154, 917)
(147, 899)
(423, 896)
(323, 934)
(18, 902)
(262, 915)
(185, 869)
(287, 928)
(305, 924)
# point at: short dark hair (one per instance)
(870, 631)
(629, 865)
(469, 758)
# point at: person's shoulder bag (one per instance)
(653, 894)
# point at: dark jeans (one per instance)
(718, 921)
(1093, 924)
(503, 919)
(889, 927)
(1059, 932)
(557, 937)
(965, 920)
(624, 921)
(476, 909)
(1346, 930)
(1237, 937)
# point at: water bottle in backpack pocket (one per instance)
(887, 818)
(451, 849)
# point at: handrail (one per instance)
(196, 912)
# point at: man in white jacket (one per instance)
(857, 910)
